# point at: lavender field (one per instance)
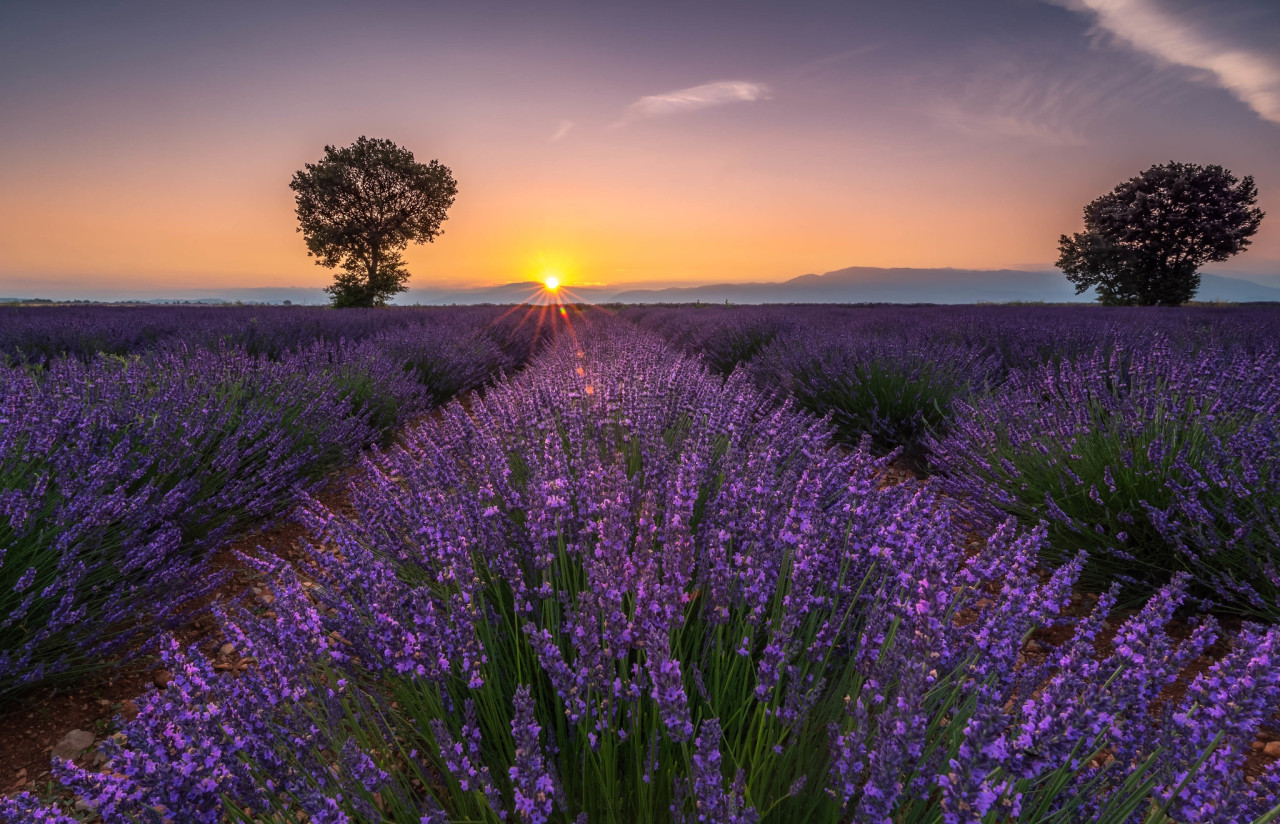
(722, 564)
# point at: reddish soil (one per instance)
(1044, 640)
(32, 723)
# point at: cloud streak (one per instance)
(562, 129)
(1018, 105)
(694, 98)
(1039, 102)
(823, 63)
(1251, 76)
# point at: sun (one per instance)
(551, 282)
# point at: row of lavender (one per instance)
(35, 334)
(619, 588)
(121, 473)
(1149, 438)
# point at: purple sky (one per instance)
(149, 146)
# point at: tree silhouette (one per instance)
(361, 206)
(1145, 241)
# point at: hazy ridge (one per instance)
(856, 284)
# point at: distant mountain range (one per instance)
(857, 284)
(862, 284)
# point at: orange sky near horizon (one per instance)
(590, 161)
(230, 222)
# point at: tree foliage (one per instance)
(1145, 241)
(360, 206)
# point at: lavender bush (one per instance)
(1156, 458)
(1153, 456)
(618, 588)
(891, 388)
(120, 474)
(724, 337)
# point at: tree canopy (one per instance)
(1145, 241)
(360, 206)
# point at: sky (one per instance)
(149, 146)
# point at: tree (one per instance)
(361, 206)
(1145, 241)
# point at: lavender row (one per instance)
(1020, 336)
(33, 334)
(120, 475)
(619, 588)
(1152, 457)
(1148, 438)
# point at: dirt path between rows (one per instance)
(32, 724)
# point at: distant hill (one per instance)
(523, 292)
(1218, 287)
(863, 284)
(857, 284)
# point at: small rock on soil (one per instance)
(72, 744)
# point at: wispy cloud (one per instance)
(562, 129)
(695, 97)
(1015, 100)
(827, 61)
(1013, 125)
(1253, 77)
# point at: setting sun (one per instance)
(552, 283)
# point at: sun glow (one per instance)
(551, 282)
